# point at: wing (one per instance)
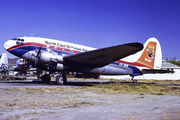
(104, 56)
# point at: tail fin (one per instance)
(3, 58)
(151, 55)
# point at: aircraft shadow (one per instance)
(85, 83)
(73, 83)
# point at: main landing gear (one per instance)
(61, 79)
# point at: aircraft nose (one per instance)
(8, 44)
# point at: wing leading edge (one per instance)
(104, 56)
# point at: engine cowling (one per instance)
(50, 57)
(59, 67)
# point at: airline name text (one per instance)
(65, 46)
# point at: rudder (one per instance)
(151, 56)
(3, 58)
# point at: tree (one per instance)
(173, 61)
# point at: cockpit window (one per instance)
(19, 41)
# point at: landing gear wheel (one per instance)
(46, 78)
(61, 79)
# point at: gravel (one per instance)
(73, 104)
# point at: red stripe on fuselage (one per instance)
(26, 44)
(59, 48)
(51, 47)
(13, 47)
(133, 64)
(74, 51)
(43, 45)
(67, 50)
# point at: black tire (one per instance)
(61, 80)
(46, 78)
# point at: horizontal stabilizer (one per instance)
(154, 71)
(104, 56)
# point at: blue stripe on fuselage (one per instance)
(20, 51)
(136, 71)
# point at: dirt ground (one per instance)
(75, 104)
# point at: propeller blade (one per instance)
(24, 63)
(39, 52)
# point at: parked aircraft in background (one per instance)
(53, 55)
(4, 69)
(21, 66)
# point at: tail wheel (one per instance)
(134, 81)
(46, 78)
(61, 79)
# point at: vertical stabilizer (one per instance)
(3, 58)
(151, 55)
(4, 64)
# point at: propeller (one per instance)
(24, 63)
(4, 67)
(38, 53)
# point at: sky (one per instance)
(94, 23)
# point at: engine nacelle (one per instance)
(22, 65)
(59, 67)
(50, 57)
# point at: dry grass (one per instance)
(43, 90)
(159, 81)
(136, 89)
(109, 79)
(122, 80)
(45, 98)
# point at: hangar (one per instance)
(157, 76)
